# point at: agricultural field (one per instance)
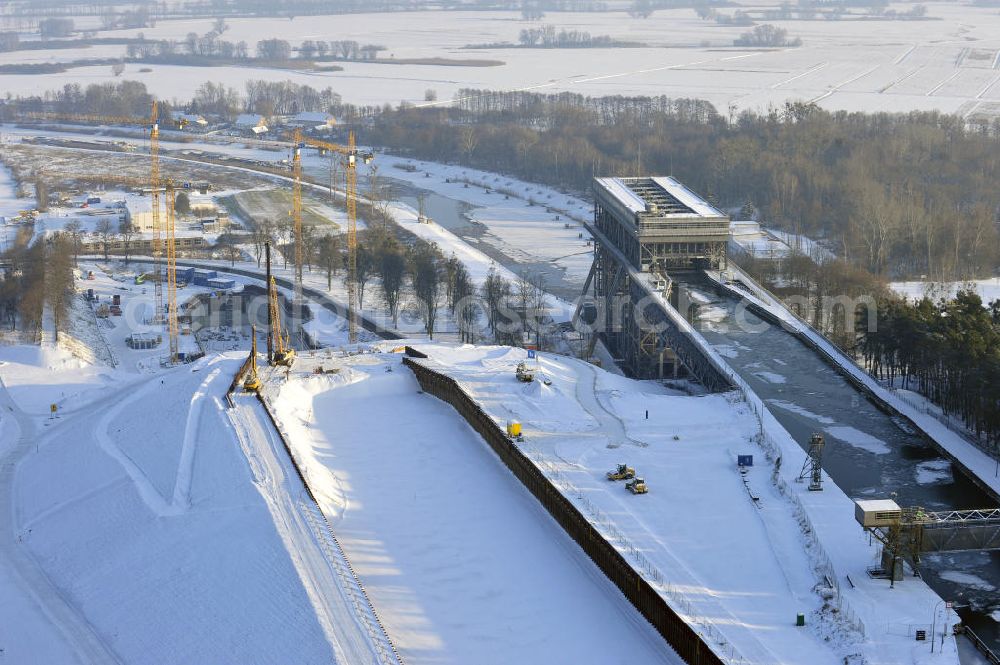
(948, 61)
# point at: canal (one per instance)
(868, 453)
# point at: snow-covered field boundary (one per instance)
(644, 587)
(388, 655)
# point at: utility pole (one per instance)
(267, 286)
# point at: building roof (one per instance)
(314, 116)
(249, 119)
(878, 505)
(660, 196)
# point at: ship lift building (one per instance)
(647, 228)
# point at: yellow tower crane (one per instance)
(351, 156)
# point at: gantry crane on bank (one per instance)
(152, 122)
(351, 156)
(907, 533)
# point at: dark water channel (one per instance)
(868, 453)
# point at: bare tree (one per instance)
(73, 229)
(426, 269)
(329, 257)
(392, 271)
(495, 290)
(126, 231)
(104, 231)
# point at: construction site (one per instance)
(342, 438)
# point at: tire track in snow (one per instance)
(841, 85)
(80, 634)
(942, 84)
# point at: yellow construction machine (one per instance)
(524, 374)
(284, 354)
(623, 472)
(252, 383)
(636, 486)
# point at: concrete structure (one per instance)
(643, 228)
(660, 224)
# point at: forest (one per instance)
(947, 350)
(900, 195)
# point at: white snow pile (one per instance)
(460, 561)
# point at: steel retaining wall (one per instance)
(684, 640)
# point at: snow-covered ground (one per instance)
(460, 561)
(515, 214)
(947, 63)
(146, 524)
(988, 289)
(700, 512)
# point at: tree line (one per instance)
(896, 194)
(948, 350)
(37, 277)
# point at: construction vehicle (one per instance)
(623, 472)
(524, 374)
(636, 486)
(252, 383)
(283, 353)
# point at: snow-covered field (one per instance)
(460, 561)
(947, 63)
(988, 289)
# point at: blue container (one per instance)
(744, 460)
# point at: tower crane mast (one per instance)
(351, 156)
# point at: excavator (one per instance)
(623, 472)
(252, 383)
(284, 354)
(637, 486)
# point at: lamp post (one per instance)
(934, 622)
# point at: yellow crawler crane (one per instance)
(284, 354)
(252, 383)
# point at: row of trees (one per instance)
(264, 97)
(346, 49)
(766, 35)
(38, 277)
(547, 37)
(896, 194)
(948, 350)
